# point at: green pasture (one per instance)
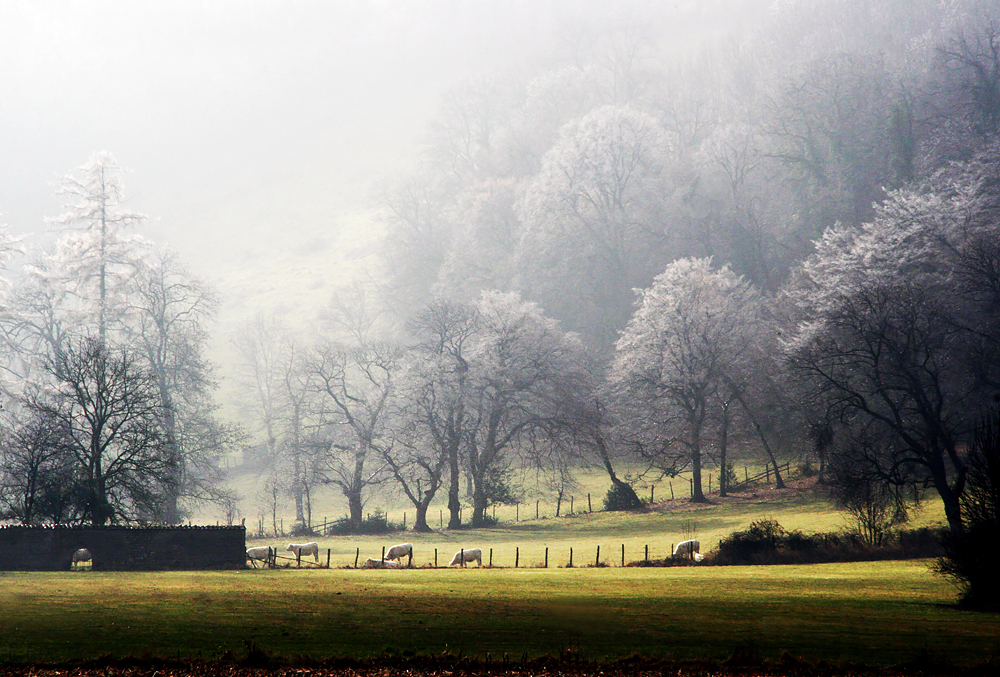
(538, 499)
(526, 541)
(876, 613)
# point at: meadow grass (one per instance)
(526, 541)
(877, 613)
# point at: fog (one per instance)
(251, 130)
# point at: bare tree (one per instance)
(354, 384)
(170, 310)
(108, 406)
(36, 474)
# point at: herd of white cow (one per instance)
(393, 558)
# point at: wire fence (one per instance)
(506, 557)
(382, 522)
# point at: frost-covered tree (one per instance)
(593, 219)
(900, 337)
(97, 258)
(353, 385)
(680, 355)
(522, 364)
(438, 411)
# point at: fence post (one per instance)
(517, 556)
(646, 558)
(298, 558)
(435, 558)
(570, 558)
(597, 561)
(491, 558)
(517, 512)
(328, 558)
(546, 558)
(746, 475)
(461, 557)
(623, 554)
(383, 553)
(590, 508)
(536, 509)
(671, 491)
(571, 504)
(709, 491)
(357, 553)
(404, 520)
(651, 488)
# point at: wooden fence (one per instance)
(525, 511)
(568, 557)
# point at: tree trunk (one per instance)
(778, 482)
(723, 449)
(420, 524)
(697, 494)
(357, 509)
(479, 505)
(454, 505)
(625, 489)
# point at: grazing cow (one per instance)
(689, 549)
(304, 549)
(260, 553)
(372, 563)
(397, 552)
(463, 557)
(82, 555)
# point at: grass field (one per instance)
(527, 540)
(877, 613)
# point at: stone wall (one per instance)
(122, 548)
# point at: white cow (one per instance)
(689, 549)
(259, 553)
(82, 555)
(372, 563)
(304, 549)
(463, 557)
(397, 552)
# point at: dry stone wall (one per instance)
(116, 548)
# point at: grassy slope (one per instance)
(882, 613)
(660, 529)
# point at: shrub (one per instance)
(302, 529)
(767, 542)
(374, 524)
(621, 497)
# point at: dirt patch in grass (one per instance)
(795, 488)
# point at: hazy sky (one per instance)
(208, 101)
(252, 130)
